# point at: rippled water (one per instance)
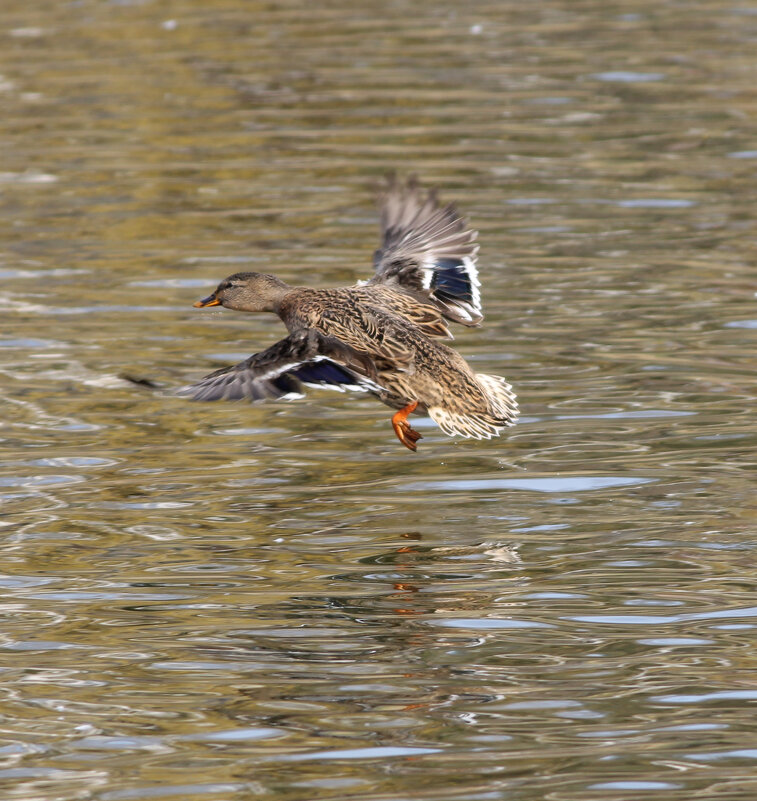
(233, 602)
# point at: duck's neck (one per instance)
(293, 306)
(270, 293)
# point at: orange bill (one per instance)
(211, 300)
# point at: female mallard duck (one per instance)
(378, 336)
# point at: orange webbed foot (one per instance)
(407, 435)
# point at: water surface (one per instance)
(234, 602)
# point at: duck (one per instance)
(380, 336)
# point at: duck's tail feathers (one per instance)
(502, 412)
(500, 396)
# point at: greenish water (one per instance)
(224, 602)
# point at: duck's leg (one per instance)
(405, 434)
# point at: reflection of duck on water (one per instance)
(380, 336)
(420, 575)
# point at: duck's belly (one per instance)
(441, 378)
(416, 386)
(396, 401)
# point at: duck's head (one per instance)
(250, 292)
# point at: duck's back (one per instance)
(358, 318)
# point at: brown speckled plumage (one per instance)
(380, 336)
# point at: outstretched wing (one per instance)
(429, 249)
(303, 359)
